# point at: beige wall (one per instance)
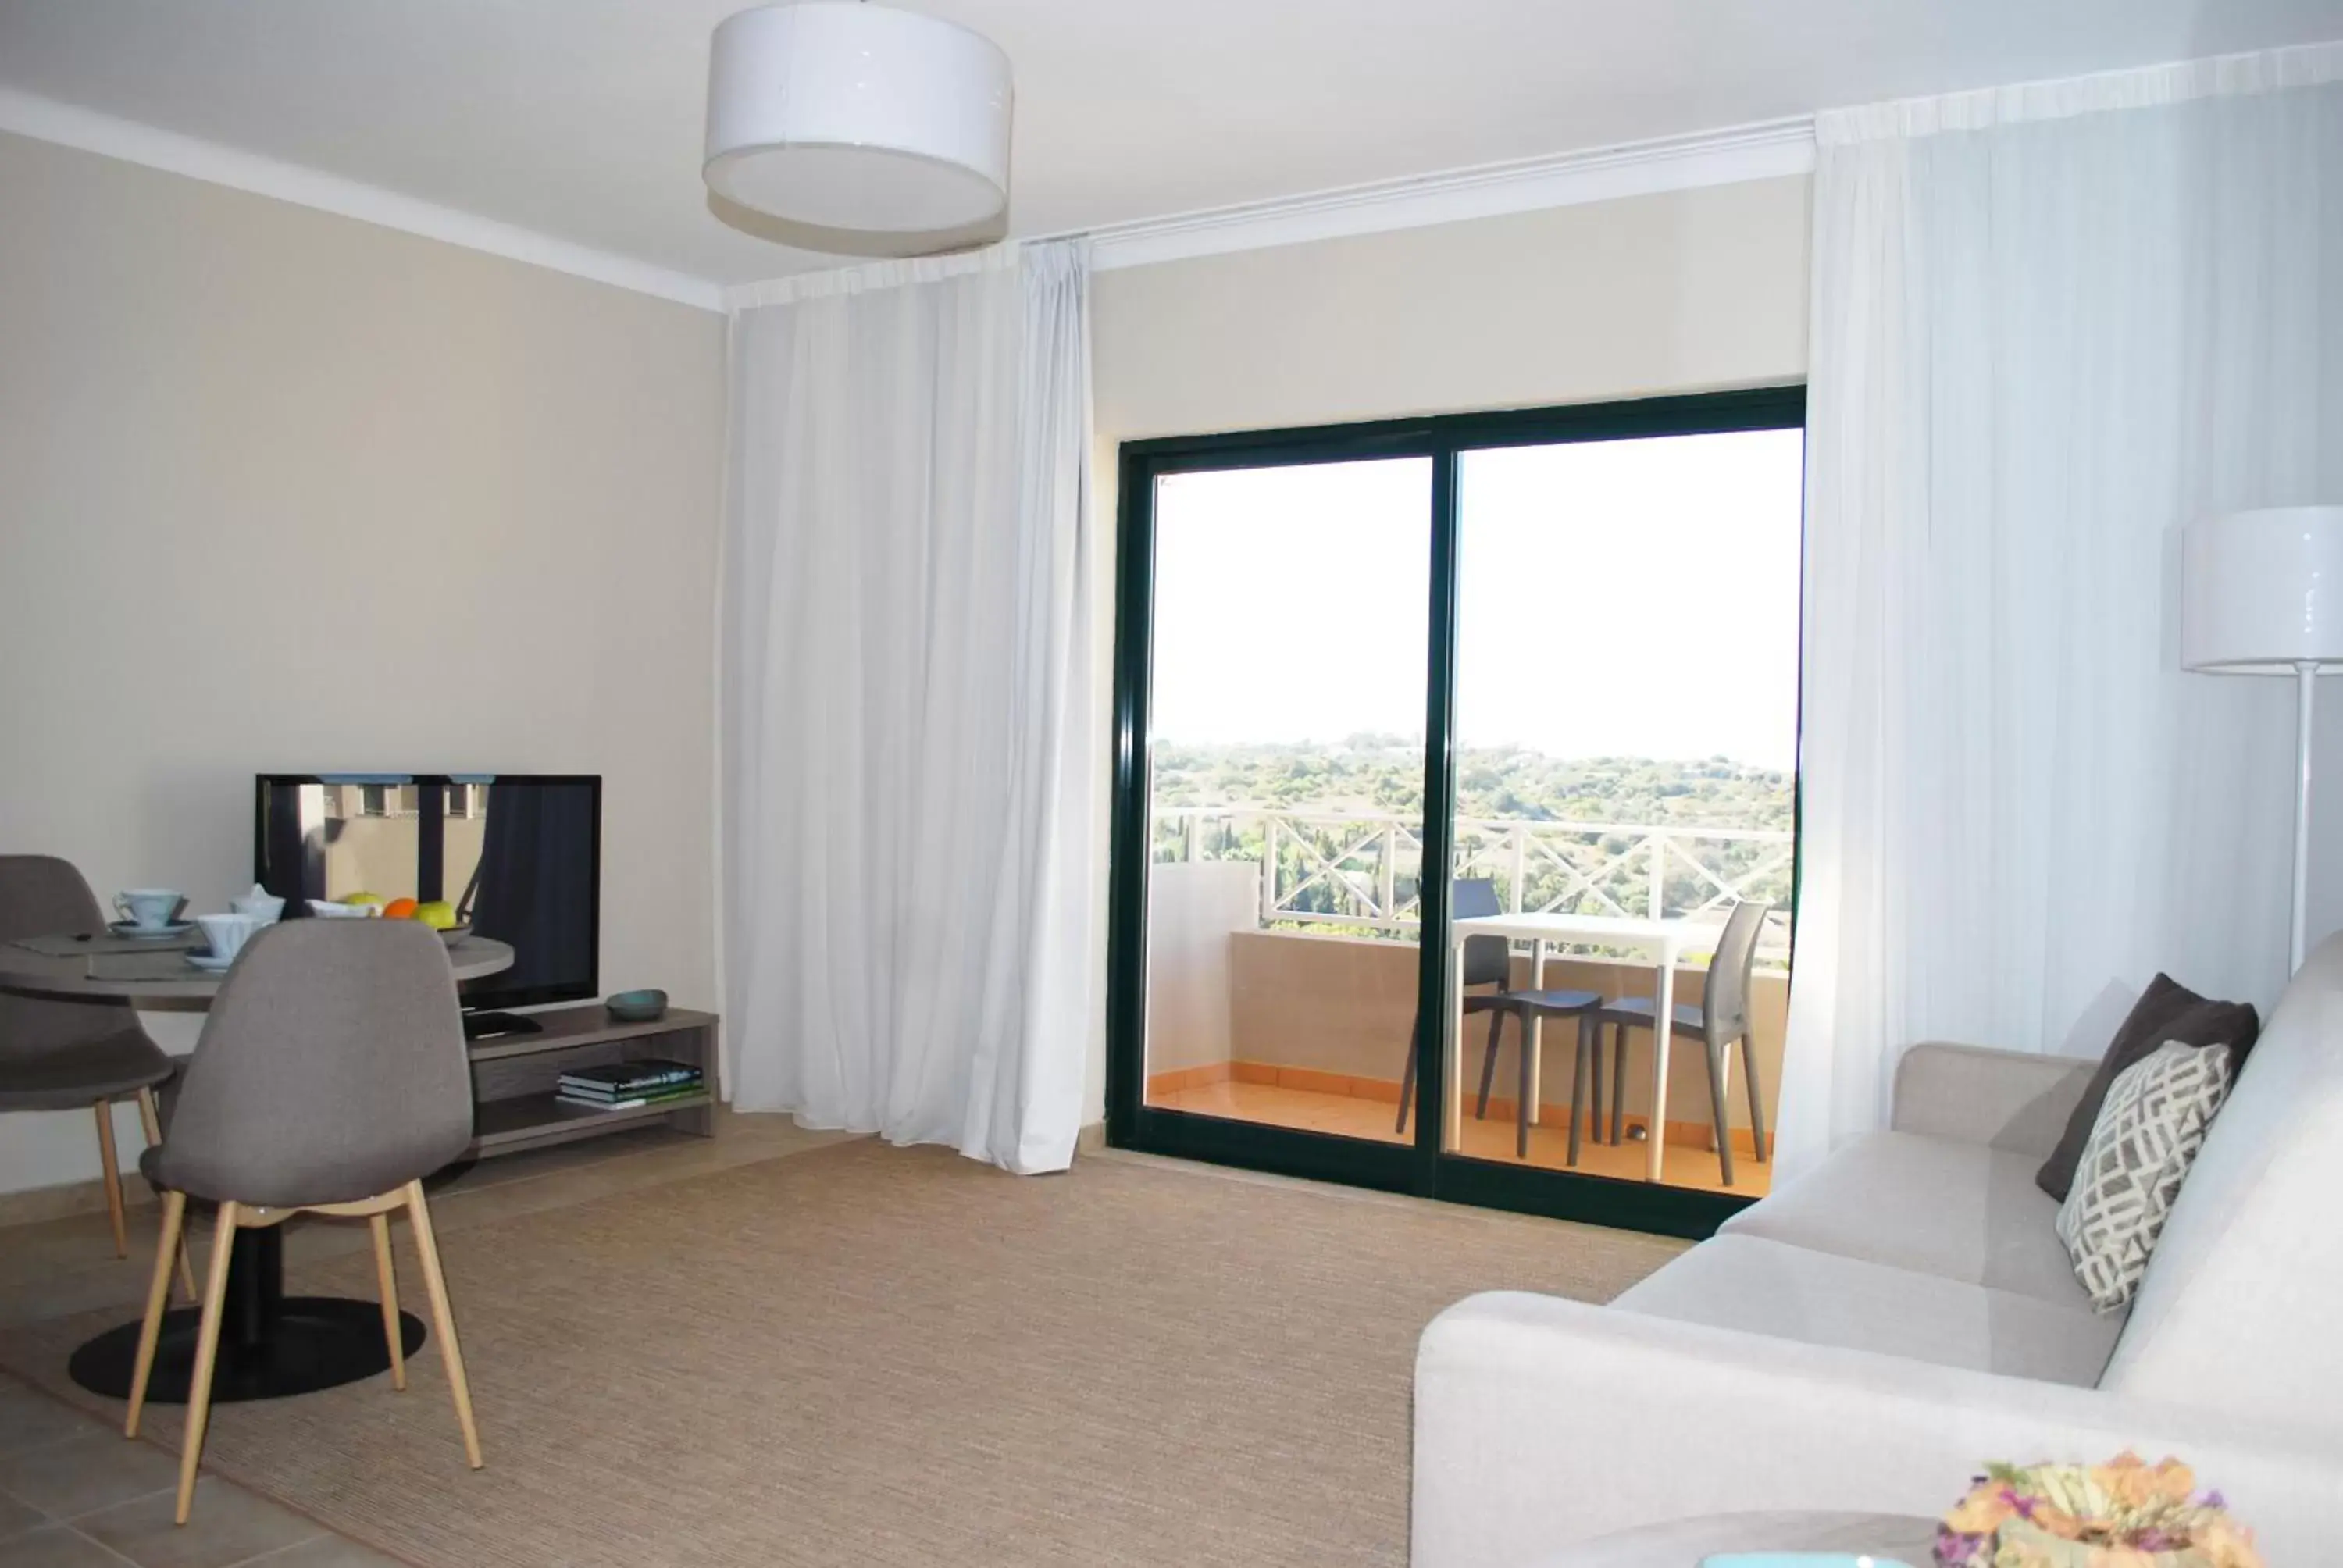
(283, 490)
(1688, 291)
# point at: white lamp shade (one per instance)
(850, 117)
(2262, 591)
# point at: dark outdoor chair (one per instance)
(61, 1053)
(1717, 1020)
(331, 1076)
(1489, 960)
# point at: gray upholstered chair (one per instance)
(1719, 1020)
(331, 1077)
(58, 1053)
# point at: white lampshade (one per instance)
(856, 117)
(2262, 592)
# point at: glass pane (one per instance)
(1286, 755)
(1627, 742)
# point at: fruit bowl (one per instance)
(452, 935)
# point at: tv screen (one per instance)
(520, 856)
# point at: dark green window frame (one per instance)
(1422, 1168)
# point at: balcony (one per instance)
(1282, 967)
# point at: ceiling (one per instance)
(580, 119)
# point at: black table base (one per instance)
(271, 1344)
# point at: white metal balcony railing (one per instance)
(1360, 869)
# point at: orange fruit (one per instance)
(399, 909)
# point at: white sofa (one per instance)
(1865, 1337)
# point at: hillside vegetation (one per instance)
(1382, 773)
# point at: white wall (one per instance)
(1192, 911)
(1688, 291)
(280, 490)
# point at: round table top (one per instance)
(1682, 1544)
(165, 975)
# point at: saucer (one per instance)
(208, 964)
(150, 933)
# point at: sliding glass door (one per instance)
(1285, 792)
(1551, 652)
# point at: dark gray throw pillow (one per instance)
(2166, 1011)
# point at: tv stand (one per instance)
(515, 1099)
(495, 1025)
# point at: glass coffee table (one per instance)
(1683, 1542)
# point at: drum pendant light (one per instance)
(860, 120)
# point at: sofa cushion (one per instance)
(1766, 1287)
(1963, 1212)
(2238, 1308)
(2167, 1011)
(2149, 1130)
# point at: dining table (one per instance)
(1660, 941)
(271, 1344)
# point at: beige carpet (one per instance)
(866, 1355)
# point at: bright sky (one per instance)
(1614, 597)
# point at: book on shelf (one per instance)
(609, 1093)
(629, 1077)
(629, 1102)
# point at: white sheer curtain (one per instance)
(2050, 325)
(906, 813)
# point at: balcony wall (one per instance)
(1220, 989)
(1194, 912)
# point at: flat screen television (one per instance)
(518, 854)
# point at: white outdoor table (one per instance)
(1663, 941)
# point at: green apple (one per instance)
(359, 898)
(437, 913)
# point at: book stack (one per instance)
(623, 1085)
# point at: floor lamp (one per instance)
(2261, 593)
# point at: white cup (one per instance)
(265, 906)
(229, 933)
(151, 907)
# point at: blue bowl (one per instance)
(635, 1006)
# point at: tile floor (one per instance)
(75, 1492)
(1686, 1165)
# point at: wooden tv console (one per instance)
(513, 1077)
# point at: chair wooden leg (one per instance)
(158, 1296)
(152, 1121)
(199, 1381)
(1756, 1097)
(1718, 1105)
(1489, 1060)
(443, 1320)
(387, 1276)
(113, 1177)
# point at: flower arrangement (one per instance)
(2124, 1513)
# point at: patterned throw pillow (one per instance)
(2145, 1138)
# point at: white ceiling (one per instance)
(580, 119)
